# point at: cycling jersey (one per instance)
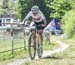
(37, 18)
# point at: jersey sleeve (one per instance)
(42, 15)
(28, 15)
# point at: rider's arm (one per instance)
(44, 19)
(45, 22)
(27, 17)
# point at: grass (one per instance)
(7, 44)
(7, 57)
(66, 57)
(20, 53)
(50, 46)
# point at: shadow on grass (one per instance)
(52, 57)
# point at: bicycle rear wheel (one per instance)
(31, 48)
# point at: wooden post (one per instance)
(12, 39)
(24, 39)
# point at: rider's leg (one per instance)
(41, 37)
(34, 33)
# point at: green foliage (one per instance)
(1, 9)
(18, 9)
(23, 8)
(59, 7)
(69, 23)
(7, 7)
(72, 3)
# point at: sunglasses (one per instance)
(34, 13)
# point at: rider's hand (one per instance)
(26, 25)
(22, 23)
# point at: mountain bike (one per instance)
(33, 47)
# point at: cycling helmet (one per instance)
(35, 9)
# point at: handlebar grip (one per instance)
(26, 25)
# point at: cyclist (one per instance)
(39, 19)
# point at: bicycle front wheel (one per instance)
(39, 47)
(31, 48)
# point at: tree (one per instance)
(8, 7)
(1, 8)
(69, 23)
(23, 8)
(12, 8)
(59, 7)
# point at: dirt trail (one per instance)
(62, 47)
